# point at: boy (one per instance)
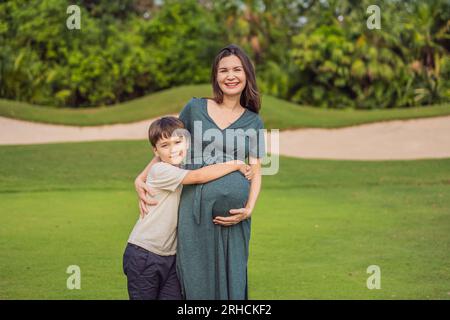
(150, 255)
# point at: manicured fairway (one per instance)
(277, 113)
(317, 227)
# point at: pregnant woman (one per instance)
(214, 218)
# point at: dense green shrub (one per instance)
(345, 64)
(310, 52)
(111, 58)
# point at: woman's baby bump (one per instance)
(226, 193)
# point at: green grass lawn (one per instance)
(317, 227)
(277, 113)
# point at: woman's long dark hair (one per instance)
(250, 97)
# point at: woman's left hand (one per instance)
(237, 216)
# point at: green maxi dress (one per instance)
(212, 259)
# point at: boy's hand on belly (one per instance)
(238, 215)
(247, 171)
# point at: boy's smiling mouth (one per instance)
(176, 154)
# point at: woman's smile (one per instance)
(232, 85)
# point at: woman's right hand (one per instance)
(143, 191)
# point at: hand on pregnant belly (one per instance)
(237, 216)
(227, 193)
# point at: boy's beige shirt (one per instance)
(157, 231)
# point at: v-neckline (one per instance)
(205, 105)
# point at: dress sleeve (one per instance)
(257, 142)
(185, 115)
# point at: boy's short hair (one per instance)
(163, 128)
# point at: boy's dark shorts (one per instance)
(150, 276)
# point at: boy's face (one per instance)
(171, 150)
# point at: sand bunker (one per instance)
(398, 139)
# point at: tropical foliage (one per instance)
(311, 52)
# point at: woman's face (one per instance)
(231, 76)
